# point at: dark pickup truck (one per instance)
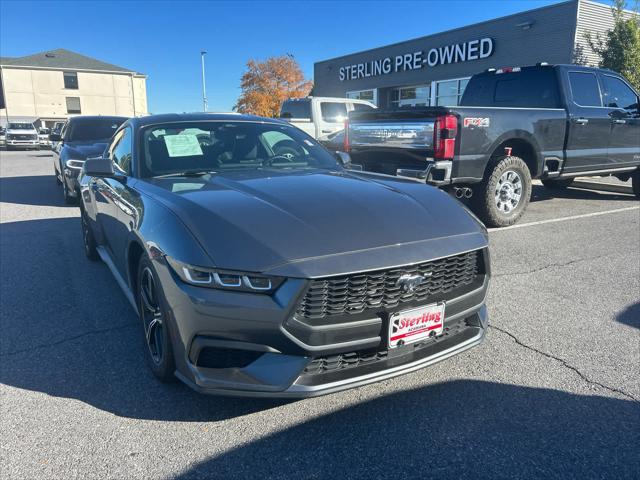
(553, 122)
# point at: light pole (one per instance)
(204, 88)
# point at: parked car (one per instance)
(43, 138)
(80, 138)
(264, 274)
(3, 138)
(57, 127)
(56, 130)
(549, 122)
(321, 116)
(21, 135)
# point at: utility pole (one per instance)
(204, 88)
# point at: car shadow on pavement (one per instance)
(68, 331)
(541, 193)
(630, 316)
(40, 190)
(458, 429)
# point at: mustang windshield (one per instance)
(220, 145)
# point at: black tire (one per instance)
(88, 239)
(152, 311)
(558, 184)
(635, 183)
(492, 203)
(68, 199)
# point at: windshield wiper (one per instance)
(187, 173)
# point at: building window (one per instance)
(73, 105)
(449, 92)
(369, 95)
(418, 96)
(71, 80)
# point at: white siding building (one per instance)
(51, 86)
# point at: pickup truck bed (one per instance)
(535, 123)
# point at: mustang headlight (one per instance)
(225, 279)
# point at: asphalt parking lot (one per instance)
(554, 391)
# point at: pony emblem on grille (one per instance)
(409, 283)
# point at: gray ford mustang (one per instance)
(260, 264)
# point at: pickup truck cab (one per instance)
(552, 122)
(321, 116)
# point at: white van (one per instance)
(321, 116)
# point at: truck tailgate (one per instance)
(385, 141)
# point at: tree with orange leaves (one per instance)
(265, 85)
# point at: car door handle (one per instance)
(580, 120)
(618, 121)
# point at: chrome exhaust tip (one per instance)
(468, 193)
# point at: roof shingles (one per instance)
(62, 59)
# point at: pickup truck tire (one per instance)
(503, 196)
(635, 182)
(558, 184)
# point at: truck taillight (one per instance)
(444, 137)
(346, 147)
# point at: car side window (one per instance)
(585, 89)
(64, 130)
(617, 94)
(362, 107)
(333, 112)
(120, 151)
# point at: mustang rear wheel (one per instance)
(504, 193)
(152, 311)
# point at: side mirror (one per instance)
(55, 137)
(99, 167)
(344, 158)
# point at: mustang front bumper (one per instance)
(241, 344)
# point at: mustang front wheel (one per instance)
(152, 311)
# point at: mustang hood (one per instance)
(317, 223)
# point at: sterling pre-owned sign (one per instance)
(458, 52)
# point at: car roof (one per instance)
(140, 122)
(91, 118)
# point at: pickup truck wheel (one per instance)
(504, 194)
(557, 184)
(635, 182)
(153, 314)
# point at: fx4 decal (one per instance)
(476, 122)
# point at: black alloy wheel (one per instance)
(152, 312)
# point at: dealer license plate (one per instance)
(416, 324)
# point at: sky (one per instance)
(163, 39)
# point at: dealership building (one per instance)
(54, 85)
(434, 70)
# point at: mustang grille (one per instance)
(354, 294)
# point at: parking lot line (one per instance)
(563, 219)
